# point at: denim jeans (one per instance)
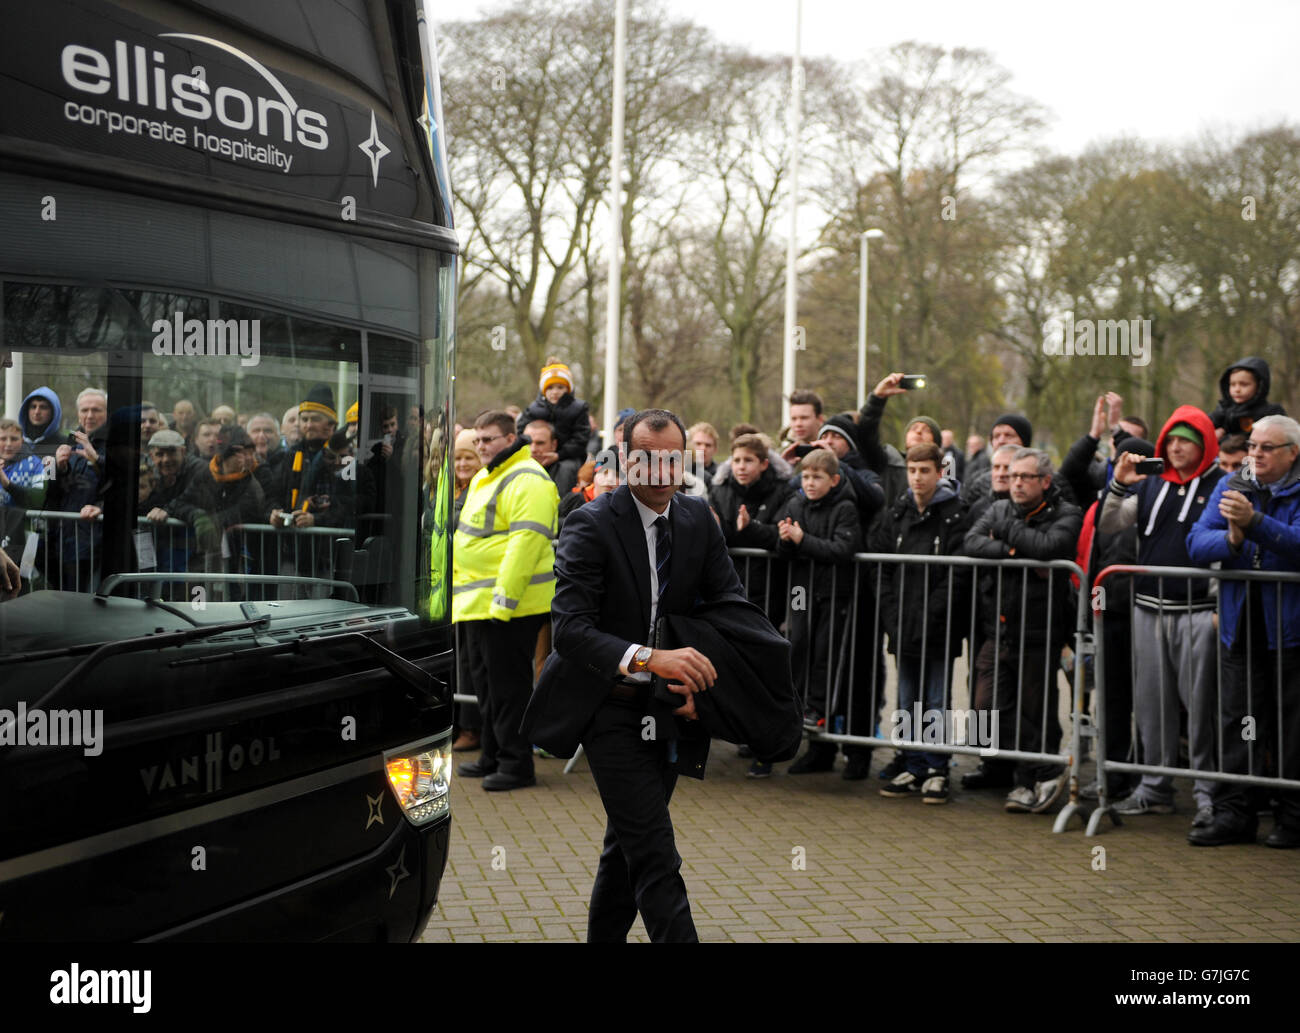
(924, 679)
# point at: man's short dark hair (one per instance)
(654, 419)
(741, 429)
(754, 444)
(926, 452)
(1138, 421)
(550, 428)
(1233, 443)
(802, 396)
(498, 418)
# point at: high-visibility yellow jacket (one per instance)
(503, 562)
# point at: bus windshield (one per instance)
(231, 398)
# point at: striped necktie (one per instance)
(663, 553)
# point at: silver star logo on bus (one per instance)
(373, 149)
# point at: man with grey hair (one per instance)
(1025, 617)
(1252, 522)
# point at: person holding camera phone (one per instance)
(1173, 619)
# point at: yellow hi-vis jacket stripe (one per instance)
(503, 560)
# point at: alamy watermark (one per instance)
(937, 727)
(211, 337)
(1098, 337)
(23, 727)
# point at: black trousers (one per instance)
(1251, 688)
(503, 652)
(640, 869)
(1028, 678)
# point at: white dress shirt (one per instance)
(648, 517)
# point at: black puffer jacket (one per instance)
(939, 531)
(823, 560)
(1048, 532)
(763, 499)
(570, 419)
(1237, 418)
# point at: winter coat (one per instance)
(164, 496)
(939, 531)
(865, 484)
(1048, 532)
(50, 438)
(569, 417)
(763, 499)
(216, 505)
(1272, 543)
(823, 561)
(1163, 509)
(753, 699)
(1237, 418)
(26, 474)
(885, 460)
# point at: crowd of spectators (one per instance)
(211, 490)
(1224, 487)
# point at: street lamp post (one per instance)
(872, 234)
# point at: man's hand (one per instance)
(1235, 508)
(301, 518)
(157, 515)
(789, 454)
(688, 669)
(1099, 424)
(1126, 468)
(277, 518)
(87, 449)
(10, 582)
(889, 386)
(61, 456)
(1114, 407)
(688, 709)
(549, 459)
(742, 518)
(90, 512)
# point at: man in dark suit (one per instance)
(625, 559)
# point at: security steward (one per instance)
(503, 580)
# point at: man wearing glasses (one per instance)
(503, 580)
(1018, 661)
(1252, 522)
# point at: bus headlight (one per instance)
(421, 780)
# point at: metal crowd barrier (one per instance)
(1257, 752)
(853, 640)
(67, 550)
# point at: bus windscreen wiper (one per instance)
(432, 689)
(102, 651)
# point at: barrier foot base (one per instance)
(1067, 812)
(1094, 822)
(573, 760)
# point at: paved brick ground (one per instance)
(876, 869)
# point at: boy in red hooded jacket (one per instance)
(1173, 618)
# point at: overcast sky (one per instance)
(1161, 70)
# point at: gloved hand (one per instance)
(205, 530)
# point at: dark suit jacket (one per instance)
(602, 605)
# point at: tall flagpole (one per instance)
(613, 322)
(792, 246)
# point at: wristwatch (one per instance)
(640, 660)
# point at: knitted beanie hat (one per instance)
(555, 372)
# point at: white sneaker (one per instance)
(1021, 800)
(1048, 794)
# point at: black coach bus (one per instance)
(224, 702)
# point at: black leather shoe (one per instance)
(1224, 829)
(819, 756)
(984, 777)
(499, 781)
(857, 766)
(1284, 837)
(475, 769)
